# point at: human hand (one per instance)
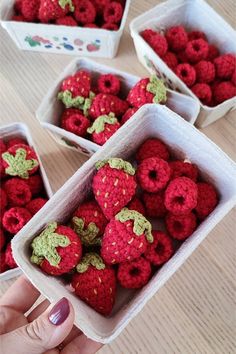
(46, 329)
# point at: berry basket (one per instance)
(186, 142)
(50, 109)
(193, 14)
(61, 39)
(19, 130)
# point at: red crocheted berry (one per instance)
(154, 204)
(153, 174)
(3, 266)
(109, 83)
(161, 250)
(177, 38)
(113, 12)
(100, 5)
(233, 78)
(225, 66)
(67, 21)
(181, 226)
(85, 11)
(90, 25)
(3, 146)
(3, 199)
(75, 122)
(206, 201)
(205, 71)
(196, 50)
(103, 104)
(158, 44)
(152, 147)
(181, 196)
(18, 192)
(9, 259)
(134, 274)
(181, 56)
(110, 26)
(15, 218)
(183, 169)
(35, 184)
(17, 6)
(196, 35)
(147, 34)
(223, 91)
(30, 9)
(102, 133)
(137, 205)
(128, 114)
(2, 239)
(203, 92)
(15, 141)
(170, 59)
(35, 205)
(2, 168)
(78, 84)
(186, 73)
(50, 10)
(213, 52)
(18, 18)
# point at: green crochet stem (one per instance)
(44, 246)
(88, 236)
(158, 89)
(18, 165)
(69, 101)
(117, 163)
(99, 124)
(63, 4)
(141, 224)
(91, 258)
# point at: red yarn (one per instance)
(186, 73)
(154, 204)
(78, 84)
(67, 21)
(134, 274)
(75, 122)
(205, 71)
(3, 266)
(102, 137)
(137, 205)
(196, 35)
(35, 205)
(18, 192)
(183, 169)
(147, 34)
(110, 26)
(3, 146)
(2, 239)
(233, 78)
(181, 226)
(213, 52)
(18, 18)
(170, 59)
(15, 141)
(109, 83)
(15, 218)
(159, 44)
(225, 66)
(35, 184)
(203, 92)
(177, 38)
(100, 5)
(3, 199)
(152, 147)
(128, 114)
(105, 103)
(50, 10)
(223, 91)
(161, 250)
(206, 201)
(9, 259)
(113, 12)
(85, 11)
(197, 50)
(90, 25)
(30, 9)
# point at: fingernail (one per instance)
(59, 312)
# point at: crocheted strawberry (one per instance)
(57, 249)
(103, 128)
(105, 104)
(113, 185)
(50, 10)
(20, 160)
(95, 283)
(126, 237)
(147, 90)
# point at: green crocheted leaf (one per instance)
(18, 165)
(91, 258)
(158, 89)
(99, 124)
(45, 244)
(87, 103)
(117, 163)
(89, 235)
(69, 101)
(63, 4)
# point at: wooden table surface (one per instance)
(194, 313)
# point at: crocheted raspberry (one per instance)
(20, 160)
(181, 196)
(147, 90)
(128, 114)
(89, 223)
(183, 169)
(207, 199)
(30, 9)
(35, 184)
(126, 237)
(103, 128)
(18, 192)
(90, 25)
(152, 147)
(225, 66)
(15, 141)
(170, 59)
(3, 146)
(181, 226)
(3, 199)
(213, 52)
(9, 259)
(134, 274)
(95, 283)
(110, 26)
(113, 12)
(113, 185)
(196, 35)
(154, 204)
(223, 91)
(196, 50)
(203, 92)
(57, 250)
(158, 44)
(67, 21)
(35, 205)
(161, 250)
(177, 38)
(233, 78)
(75, 122)
(3, 266)
(153, 174)
(109, 83)
(147, 34)
(205, 71)
(186, 73)
(103, 104)
(50, 10)
(2, 239)
(100, 5)
(15, 218)
(85, 11)
(137, 205)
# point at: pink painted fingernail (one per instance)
(59, 312)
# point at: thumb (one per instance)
(44, 333)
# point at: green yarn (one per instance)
(45, 244)
(87, 103)
(141, 224)
(99, 124)
(117, 163)
(158, 88)
(69, 101)
(18, 164)
(63, 4)
(91, 258)
(88, 236)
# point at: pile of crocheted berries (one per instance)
(105, 14)
(198, 63)
(22, 193)
(96, 107)
(111, 238)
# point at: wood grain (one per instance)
(195, 311)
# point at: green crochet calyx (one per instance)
(87, 103)
(79, 102)
(141, 224)
(45, 244)
(99, 124)
(158, 89)
(93, 259)
(18, 164)
(88, 236)
(63, 4)
(117, 163)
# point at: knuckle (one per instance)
(37, 332)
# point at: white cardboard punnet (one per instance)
(186, 142)
(193, 14)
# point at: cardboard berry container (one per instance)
(50, 109)
(20, 130)
(45, 38)
(193, 14)
(185, 141)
